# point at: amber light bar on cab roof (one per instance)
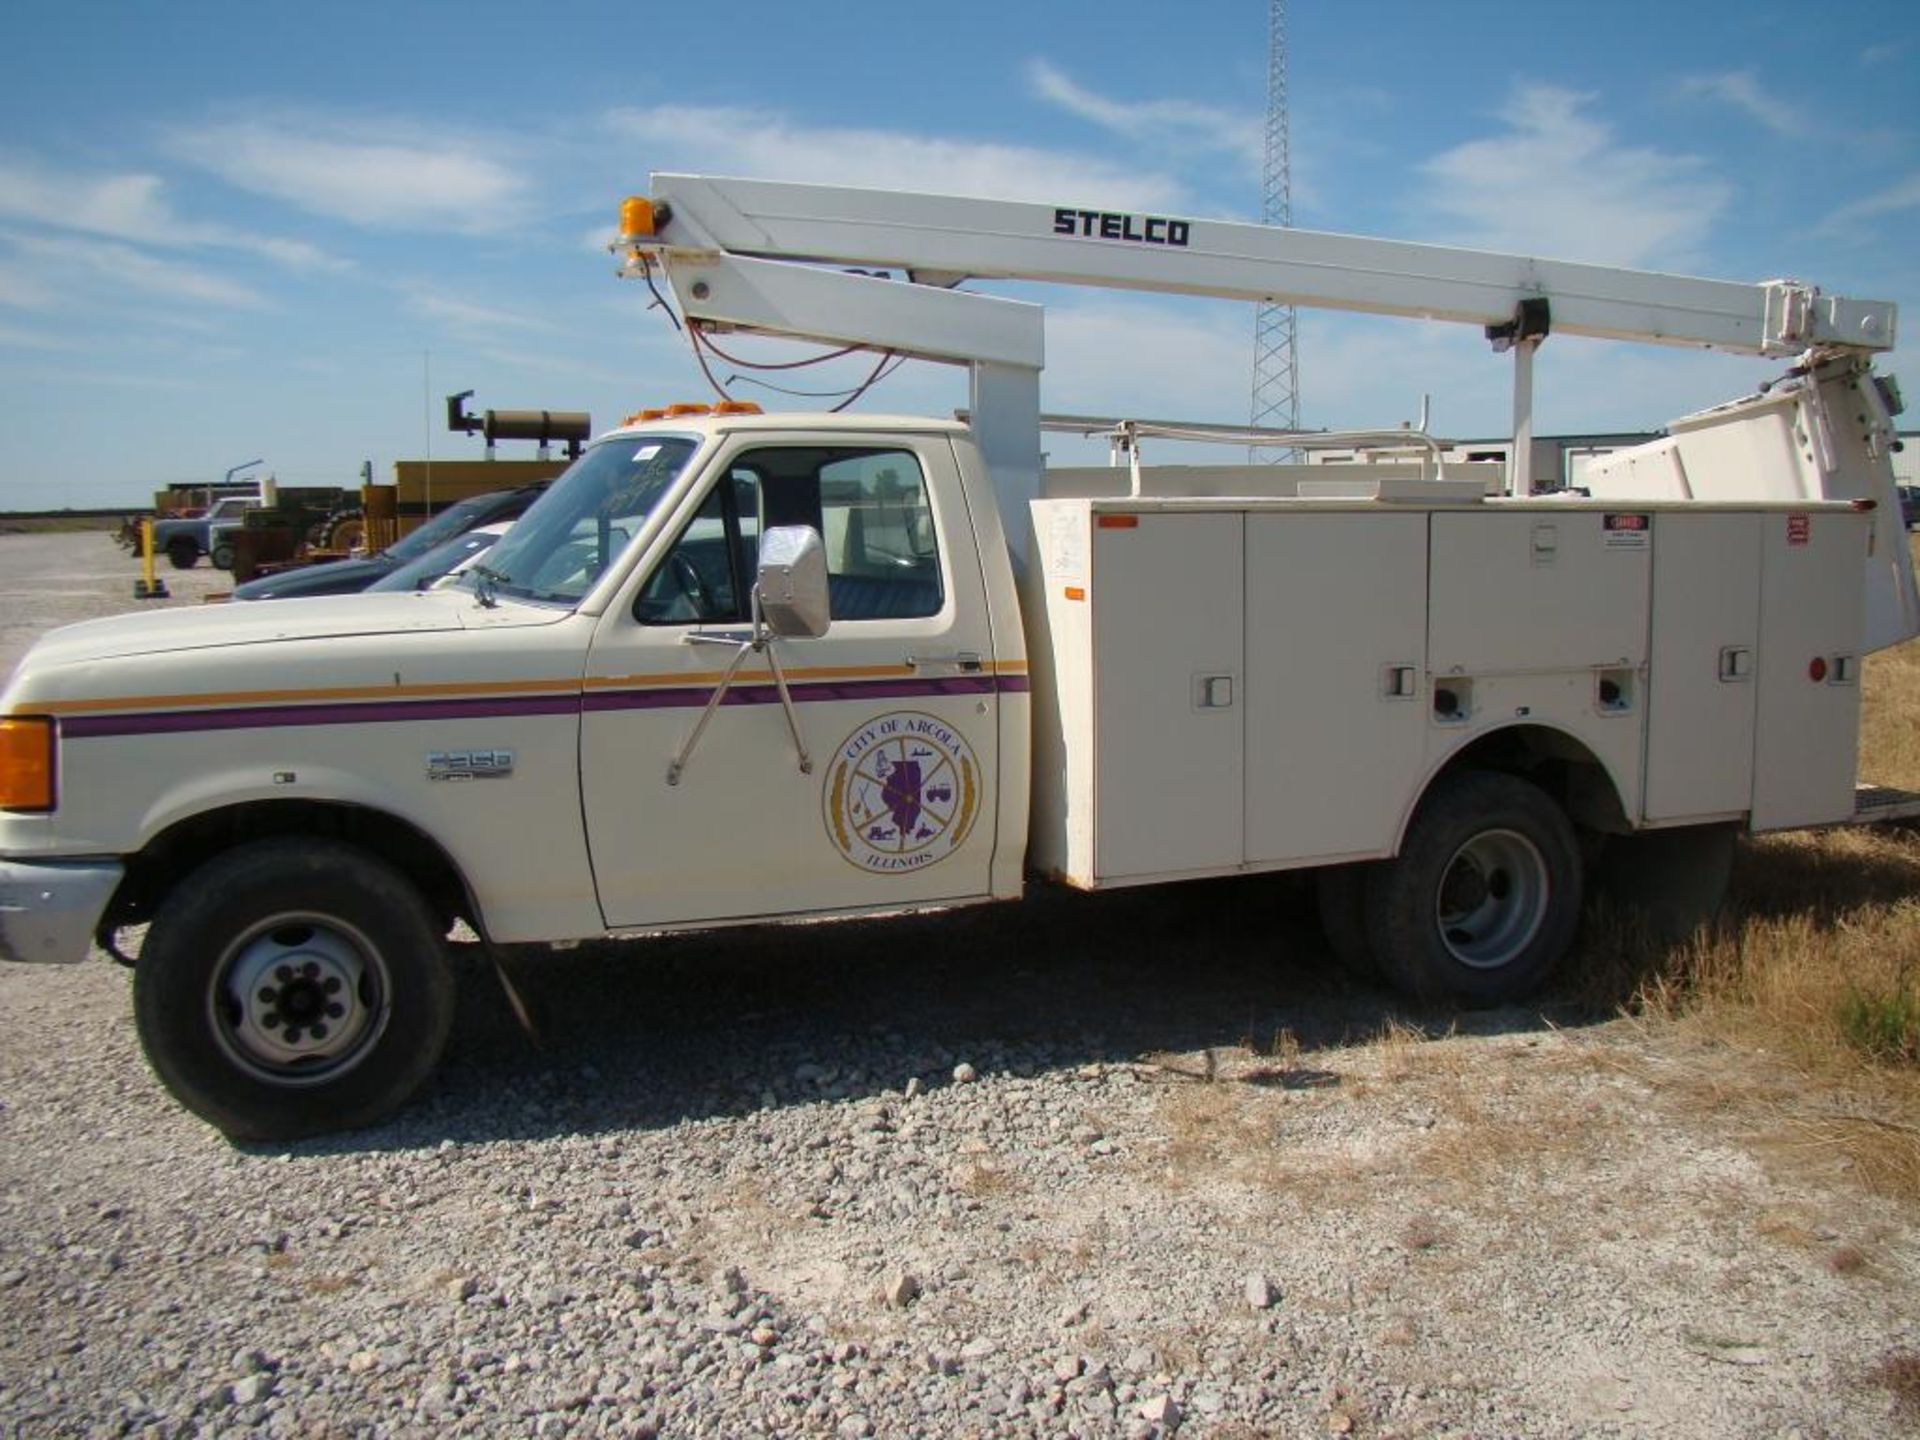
(673, 412)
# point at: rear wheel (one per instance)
(288, 988)
(1341, 891)
(183, 554)
(1484, 898)
(1671, 881)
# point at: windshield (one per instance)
(560, 547)
(450, 522)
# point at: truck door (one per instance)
(897, 703)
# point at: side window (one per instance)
(882, 560)
(708, 574)
(872, 512)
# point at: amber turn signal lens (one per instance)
(26, 762)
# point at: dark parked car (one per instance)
(345, 577)
(1910, 505)
(442, 561)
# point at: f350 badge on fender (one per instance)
(469, 764)
(902, 792)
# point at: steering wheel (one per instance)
(686, 578)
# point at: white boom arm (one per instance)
(750, 255)
(947, 238)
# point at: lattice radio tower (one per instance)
(1276, 343)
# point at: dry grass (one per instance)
(1237, 1135)
(1422, 1232)
(1889, 728)
(1846, 1260)
(1444, 1117)
(1899, 1373)
(1815, 964)
(1818, 987)
(1804, 998)
(981, 1180)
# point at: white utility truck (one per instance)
(738, 667)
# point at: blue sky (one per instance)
(286, 231)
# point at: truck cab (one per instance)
(909, 731)
(596, 732)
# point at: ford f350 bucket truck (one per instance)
(738, 667)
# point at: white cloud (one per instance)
(14, 337)
(1366, 371)
(1901, 195)
(22, 287)
(66, 269)
(471, 318)
(731, 141)
(1179, 126)
(165, 278)
(132, 207)
(1145, 359)
(1885, 53)
(86, 380)
(1557, 182)
(1743, 91)
(378, 175)
(1193, 360)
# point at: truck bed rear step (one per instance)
(1878, 804)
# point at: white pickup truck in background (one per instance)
(737, 667)
(185, 539)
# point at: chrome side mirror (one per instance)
(790, 585)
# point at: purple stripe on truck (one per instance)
(378, 712)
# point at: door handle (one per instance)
(965, 660)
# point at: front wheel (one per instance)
(1484, 898)
(287, 988)
(222, 557)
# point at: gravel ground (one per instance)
(1112, 1165)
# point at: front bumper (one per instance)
(50, 911)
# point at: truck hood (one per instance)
(264, 623)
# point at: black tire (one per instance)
(183, 554)
(344, 531)
(1484, 899)
(340, 937)
(1672, 882)
(222, 557)
(1341, 891)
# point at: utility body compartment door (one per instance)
(1168, 637)
(1812, 616)
(898, 702)
(1336, 702)
(1703, 665)
(1538, 590)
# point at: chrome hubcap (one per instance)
(1492, 899)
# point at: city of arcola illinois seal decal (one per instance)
(902, 793)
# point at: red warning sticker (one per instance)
(1799, 529)
(1627, 531)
